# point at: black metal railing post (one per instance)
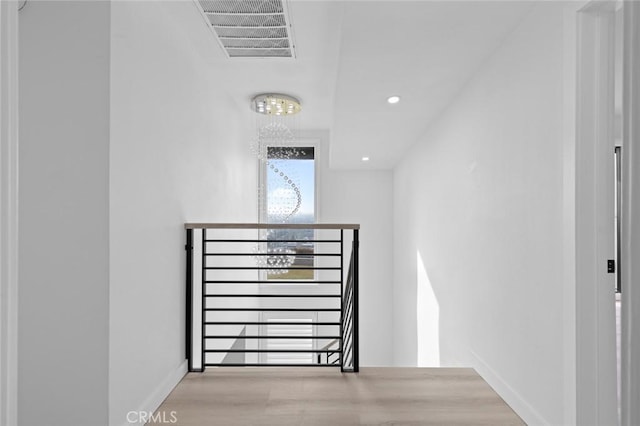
(349, 333)
(189, 299)
(356, 259)
(203, 307)
(341, 347)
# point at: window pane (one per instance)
(290, 178)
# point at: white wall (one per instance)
(364, 197)
(64, 207)
(478, 227)
(175, 156)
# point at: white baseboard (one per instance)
(528, 414)
(151, 404)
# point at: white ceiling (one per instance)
(352, 55)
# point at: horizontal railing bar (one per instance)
(274, 281)
(269, 241)
(269, 323)
(260, 351)
(273, 254)
(265, 268)
(207, 336)
(336, 226)
(274, 295)
(267, 365)
(276, 309)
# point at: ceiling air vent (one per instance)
(251, 28)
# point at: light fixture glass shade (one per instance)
(275, 127)
(275, 104)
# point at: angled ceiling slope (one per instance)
(424, 52)
(251, 28)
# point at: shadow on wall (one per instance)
(428, 318)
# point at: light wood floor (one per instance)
(316, 396)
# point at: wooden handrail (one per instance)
(271, 226)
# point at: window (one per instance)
(290, 186)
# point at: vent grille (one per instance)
(243, 43)
(250, 33)
(242, 6)
(251, 28)
(259, 53)
(253, 21)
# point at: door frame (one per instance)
(8, 212)
(630, 344)
(596, 383)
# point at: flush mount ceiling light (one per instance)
(276, 126)
(393, 99)
(365, 159)
(275, 104)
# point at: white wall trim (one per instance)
(595, 314)
(506, 392)
(630, 267)
(153, 402)
(8, 212)
(569, 207)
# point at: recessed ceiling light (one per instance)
(393, 99)
(365, 158)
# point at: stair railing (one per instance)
(252, 287)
